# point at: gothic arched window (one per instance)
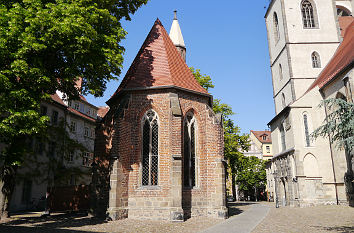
(316, 61)
(276, 27)
(306, 128)
(342, 11)
(150, 150)
(308, 14)
(189, 158)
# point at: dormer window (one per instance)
(264, 137)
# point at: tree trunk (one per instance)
(7, 187)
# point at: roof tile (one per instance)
(159, 64)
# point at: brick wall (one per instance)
(120, 135)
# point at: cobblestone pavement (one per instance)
(65, 223)
(329, 218)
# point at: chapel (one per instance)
(159, 149)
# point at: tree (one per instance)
(234, 142)
(339, 127)
(46, 45)
(251, 174)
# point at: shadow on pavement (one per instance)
(49, 223)
(234, 207)
(337, 228)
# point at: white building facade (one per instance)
(303, 36)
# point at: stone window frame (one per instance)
(276, 27)
(309, 14)
(316, 59)
(141, 170)
(196, 157)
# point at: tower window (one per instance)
(280, 72)
(276, 27)
(308, 14)
(189, 159)
(316, 62)
(341, 11)
(283, 100)
(150, 156)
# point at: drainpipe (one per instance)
(330, 147)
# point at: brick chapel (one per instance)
(159, 148)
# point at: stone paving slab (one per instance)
(243, 223)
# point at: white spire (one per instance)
(175, 33)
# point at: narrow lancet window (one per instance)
(308, 14)
(150, 150)
(189, 151)
(316, 62)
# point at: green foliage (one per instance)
(339, 123)
(233, 140)
(250, 173)
(203, 79)
(45, 45)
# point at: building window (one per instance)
(86, 132)
(189, 158)
(341, 11)
(92, 133)
(316, 62)
(282, 138)
(276, 27)
(306, 127)
(54, 117)
(43, 110)
(70, 156)
(280, 72)
(308, 14)
(87, 159)
(76, 106)
(150, 150)
(88, 111)
(268, 149)
(264, 137)
(73, 126)
(283, 100)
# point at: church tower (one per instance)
(302, 37)
(177, 38)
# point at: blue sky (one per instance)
(227, 41)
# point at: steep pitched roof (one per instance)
(259, 135)
(343, 57)
(158, 64)
(344, 22)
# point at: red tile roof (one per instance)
(81, 114)
(57, 99)
(343, 57)
(259, 135)
(344, 22)
(102, 111)
(159, 64)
